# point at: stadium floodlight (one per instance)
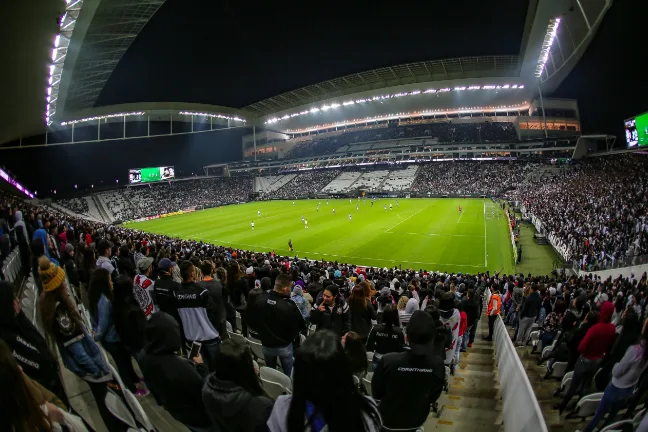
(314, 110)
(286, 117)
(460, 88)
(326, 107)
(347, 103)
(488, 87)
(443, 90)
(430, 91)
(550, 36)
(474, 87)
(335, 105)
(415, 92)
(102, 117)
(505, 86)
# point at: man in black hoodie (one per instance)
(175, 382)
(278, 321)
(528, 314)
(471, 307)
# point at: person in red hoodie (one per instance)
(463, 323)
(595, 345)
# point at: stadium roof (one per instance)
(91, 36)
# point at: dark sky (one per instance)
(226, 52)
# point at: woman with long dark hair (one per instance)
(233, 396)
(324, 394)
(362, 311)
(21, 408)
(386, 337)
(100, 296)
(355, 349)
(237, 289)
(625, 376)
(127, 316)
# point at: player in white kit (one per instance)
(349, 216)
(333, 211)
(306, 223)
(259, 213)
(252, 225)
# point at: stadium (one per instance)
(465, 198)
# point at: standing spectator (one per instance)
(70, 265)
(362, 311)
(552, 324)
(450, 318)
(215, 289)
(166, 288)
(144, 289)
(198, 314)
(104, 253)
(594, 346)
(386, 337)
(407, 383)
(298, 297)
(64, 328)
(355, 349)
(233, 396)
(493, 310)
(175, 382)
(278, 322)
(238, 290)
(100, 297)
(331, 312)
(127, 316)
(125, 264)
(324, 400)
(471, 307)
(463, 323)
(528, 314)
(625, 376)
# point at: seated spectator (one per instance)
(25, 406)
(386, 337)
(233, 396)
(175, 382)
(407, 383)
(625, 376)
(324, 400)
(331, 312)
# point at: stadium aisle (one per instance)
(473, 401)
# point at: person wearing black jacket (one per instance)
(278, 321)
(471, 307)
(407, 383)
(331, 312)
(215, 289)
(166, 288)
(175, 382)
(125, 265)
(127, 315)
(198, 314)
(386, 337)
(27, 344)
(362, 311)
(528, 314)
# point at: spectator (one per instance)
(493, 311)
(625, 376)
(471, 307)
(596, 343)
(552, 323)
(100, 297)
(463, 323)
(238, 290)
(278, 322)
(175, 382)
(528, 314)
(233, 396)
(331, 312)
(215, 289)
(320, 399)
(362, 312)
(354, 347)
(386, 337)
(302, 304)
(23, 409)
(29, 346)
(127, 316)
(64, 328)
(125, 264)
(198, 314)
(407, 383)
(70, 265)
(166, 289)
(450, 318)
(144, 288)
(104, 253)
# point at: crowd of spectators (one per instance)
(77, 205)
(305, 184)
(595, 210)
(445, 132)
(469, 178)
(150, 295)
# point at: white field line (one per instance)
(460, 216)
(388, 231)
(436, 234)
(485, 248)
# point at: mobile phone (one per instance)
(195, 350)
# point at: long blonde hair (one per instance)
(402, 303)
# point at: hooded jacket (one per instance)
(600, 337)
(20, 223)
(175, 382)
(234, 409)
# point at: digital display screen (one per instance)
(636, 131)
(149, 175)
(631, 133)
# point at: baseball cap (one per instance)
(337, 273)
(144, 263)
(420, 333)
(165, 264)
(249, 270)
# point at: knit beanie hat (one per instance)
(51, 275)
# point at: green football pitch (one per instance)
(426, 234)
